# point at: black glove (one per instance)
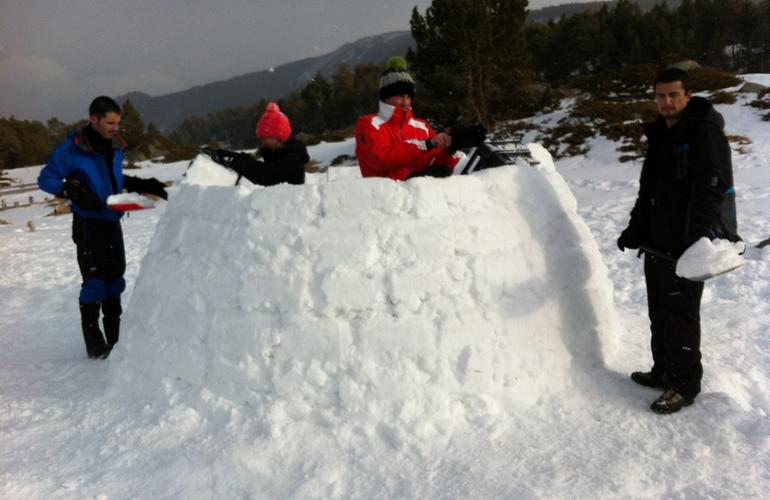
(243, 164)
(239, 162)
(468, 137)
(147, 186)
(155, 187)
(221, 156)
(80, 194)
(432, 171)
(629, 238)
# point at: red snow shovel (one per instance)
(129, 202)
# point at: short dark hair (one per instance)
(103, 105)
(669, 75)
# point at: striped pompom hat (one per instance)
(396, 80)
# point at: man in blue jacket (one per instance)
(86, 169)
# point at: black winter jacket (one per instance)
(284, 165)
(686, 184)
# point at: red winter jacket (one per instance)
(391, 144)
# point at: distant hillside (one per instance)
(167, 111)
(556, 11)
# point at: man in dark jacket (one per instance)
(86, 169)
(685, 189)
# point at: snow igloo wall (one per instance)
(368, 299)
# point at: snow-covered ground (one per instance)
(367, 339)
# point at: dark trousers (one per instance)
(674, 308)
(101, 258)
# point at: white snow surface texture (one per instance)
(369, 306)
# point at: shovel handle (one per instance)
(657, 253)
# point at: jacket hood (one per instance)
(700, 109)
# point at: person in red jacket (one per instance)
(394, 143)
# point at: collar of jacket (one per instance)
(80, 139)
(698, 110)
(291, 146)
(388, 113)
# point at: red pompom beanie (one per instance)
(274, 124)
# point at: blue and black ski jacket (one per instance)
(77, 157)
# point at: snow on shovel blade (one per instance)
(707, 258)
(713, 274)
(129, 201)
(724, 256)
(704, 259)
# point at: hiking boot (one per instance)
(647, 379)
(99, 352)
(670, 402)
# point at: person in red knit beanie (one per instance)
(284, 157)
(273, 125)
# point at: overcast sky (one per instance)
(55, 55)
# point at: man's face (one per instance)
(671, 99)
(106, 125)
(400, 101)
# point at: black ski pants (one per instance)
(674, 309)
(101, 258)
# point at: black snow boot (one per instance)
(89, 318)
(648, 379)
(671, 401)
(111, 312)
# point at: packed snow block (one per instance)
(367, 300)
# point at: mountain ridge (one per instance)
(167, 111)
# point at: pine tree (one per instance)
(340, 107)
(131, 124)
(57, 129)
(471, 57)
(539, 36)
(660, 36)
(755, 29)
(624, 26)
(23, 143)
(367, 83)
(10, 147)
(315, 97)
